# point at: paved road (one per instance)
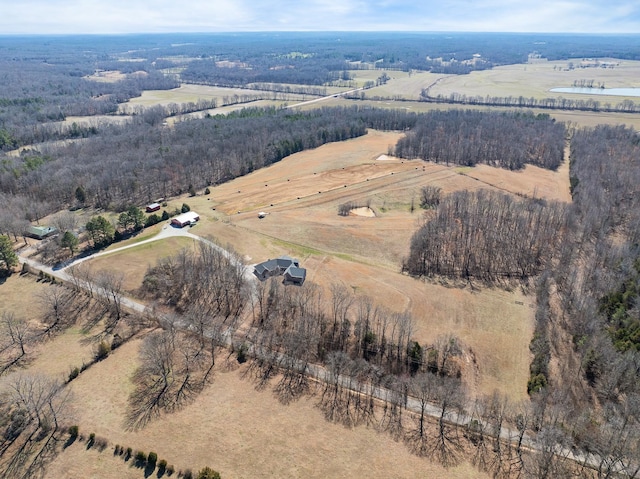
(328, 97)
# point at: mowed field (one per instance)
(301, 194)
(401, 84)
(133, 263)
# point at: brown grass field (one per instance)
(401, 84)
(243, 432)
(134, 262)
(579, 118)
(365, 253)
(187, 93)
(536, 79)
(233, 428)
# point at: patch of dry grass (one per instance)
(241, 432)
(537, 79)
(134, 262)
(18, 294)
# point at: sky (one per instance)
(163, 16)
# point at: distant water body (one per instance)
(600, 91)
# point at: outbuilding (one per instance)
(40, 232)
(153, 207)
(190, 217)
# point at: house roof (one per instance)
(187, 217)
(269, 265)
(286, 261)
(295, 272)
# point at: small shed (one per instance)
(185, 219)
(40, 232)
(153, 207)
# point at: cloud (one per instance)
(122, 16)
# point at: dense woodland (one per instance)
(508, 140)
(586, 260)
(488, 236)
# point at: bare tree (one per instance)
(421, 388)
(110, 290)
(59, 311)
(15, 335)
(36, 406)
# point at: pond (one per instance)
(600, 91)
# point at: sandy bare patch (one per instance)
(364, 211)
(385, 158)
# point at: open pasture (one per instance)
(134, 262)
(579, 118)
(401, 84)
(537, 79)
(188, 93)
(365, 253)
(233, 428)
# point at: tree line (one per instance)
(550, 103)
(507, 140)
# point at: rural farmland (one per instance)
(464, 302)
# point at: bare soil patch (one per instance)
(363, 211)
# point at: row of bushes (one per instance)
(102, 351)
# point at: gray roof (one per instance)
(295, 272)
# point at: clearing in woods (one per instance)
(301, 195)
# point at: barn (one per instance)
(190, 217)
(153, 207)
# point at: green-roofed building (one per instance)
(40, 232)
